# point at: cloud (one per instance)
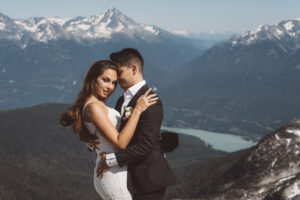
(179, 32)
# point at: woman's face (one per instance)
(106, 83)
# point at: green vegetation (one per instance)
(42, 160)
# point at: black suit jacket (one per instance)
(148, 169)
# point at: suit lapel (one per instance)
(119, 104)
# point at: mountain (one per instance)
(43, 59)
(111, 25)
(205, 39)
(8, 28)
(268, 171)
(42, 160)
(104, 26)
(248, 85)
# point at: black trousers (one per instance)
(155, 195)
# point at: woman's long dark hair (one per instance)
(74, 114)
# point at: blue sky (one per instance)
(189, 15)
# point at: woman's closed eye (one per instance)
(115, 83)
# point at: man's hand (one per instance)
(89, 139)
(92, 144)
(102, 166)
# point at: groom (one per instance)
(148, 170)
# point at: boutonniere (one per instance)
(127, 112)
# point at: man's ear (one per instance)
(134, 69)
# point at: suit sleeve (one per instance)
(147, 131)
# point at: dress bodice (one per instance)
(104, 145)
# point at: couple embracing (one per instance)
(130, 163)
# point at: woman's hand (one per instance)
(145, 101)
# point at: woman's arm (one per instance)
(148, 137)
(97, 114)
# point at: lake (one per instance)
(219, 141)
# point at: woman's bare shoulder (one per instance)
(95, 109)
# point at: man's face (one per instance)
(125, 76)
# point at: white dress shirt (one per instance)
(128, 95)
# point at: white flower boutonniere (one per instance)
(127, 112)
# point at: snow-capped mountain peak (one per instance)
(115, 19)
(283, 33)
(104, 25)
(9, 29)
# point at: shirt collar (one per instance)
(135, 88)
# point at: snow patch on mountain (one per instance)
(288, 26)
(2, 26)
(294, 131)
(292, 191)
(57, 20)
(151, 29)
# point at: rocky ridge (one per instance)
(270, 171)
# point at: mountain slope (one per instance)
(42, 160)
(270, 171)
(267, 171)
(248, 85)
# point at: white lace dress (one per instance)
(113, 185)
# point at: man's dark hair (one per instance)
(128, 57)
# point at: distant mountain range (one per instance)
(104, 26)
(211, 35)
(247, 85)
(44, 59)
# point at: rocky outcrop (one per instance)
(271, 171)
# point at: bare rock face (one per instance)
(271, 171)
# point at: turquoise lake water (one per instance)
(219, 141)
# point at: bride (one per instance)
(97, 125)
